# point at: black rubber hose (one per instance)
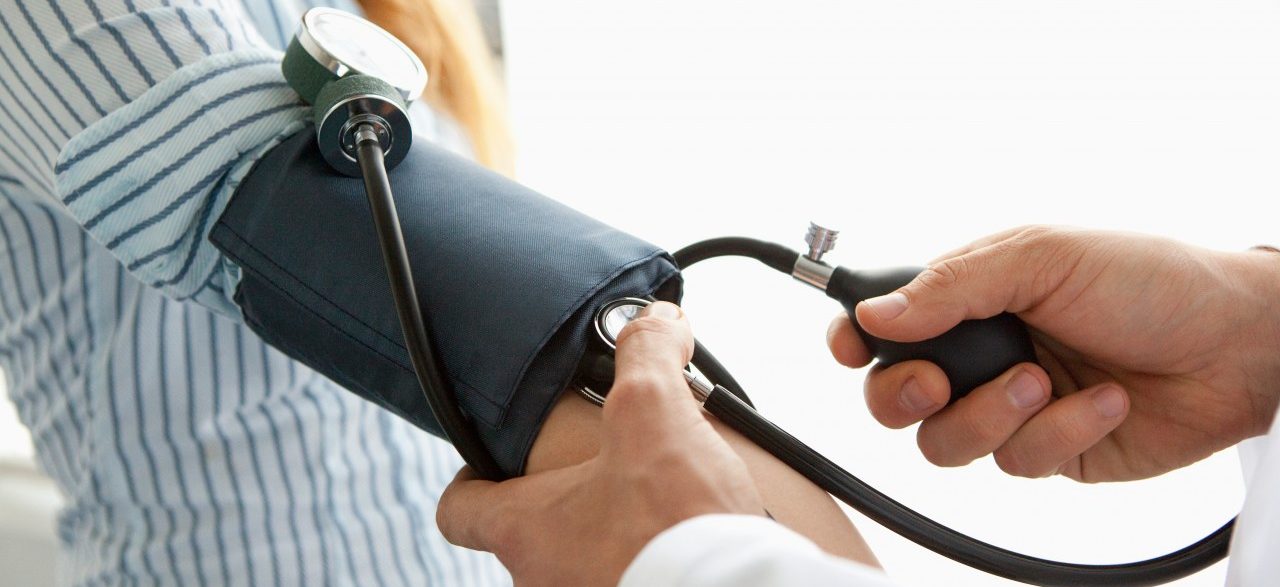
(716, 373)
(422, 354)
(772, 254)
(776, 256)
(945, 541)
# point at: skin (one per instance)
(613, 478)
(1156, 354)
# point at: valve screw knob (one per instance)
(820, 240)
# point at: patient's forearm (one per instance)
(571, 434)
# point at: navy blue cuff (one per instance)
(508, 277)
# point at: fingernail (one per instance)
(1109, 402)
(888, 306)
(664, 310)
(1025, 390)
(913, 398)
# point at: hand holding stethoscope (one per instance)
(651, 430)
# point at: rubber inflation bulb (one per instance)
(972, 353)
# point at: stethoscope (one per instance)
(360, 79)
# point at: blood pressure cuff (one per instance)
(509, 279)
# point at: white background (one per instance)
(913, 126)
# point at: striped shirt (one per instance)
(188, 451)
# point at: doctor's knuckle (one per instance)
(1035, 240)
(944, 274)
(1032, 233)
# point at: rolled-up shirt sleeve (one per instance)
(139, 120)
(741, 551)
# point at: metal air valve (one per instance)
(809, 267)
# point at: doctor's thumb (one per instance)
(651, 354)
(978, 284)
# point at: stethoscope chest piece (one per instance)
(595, 375)
(612, 317)
(596, 371)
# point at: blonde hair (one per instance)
(464, 81)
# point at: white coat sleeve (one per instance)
(1256, 539)
(741, 551)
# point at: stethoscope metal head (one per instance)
(609, 321)
(612, 317)
(595, 371)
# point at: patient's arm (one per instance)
(572, 432)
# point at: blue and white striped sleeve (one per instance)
(143, 117)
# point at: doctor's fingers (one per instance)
(845, 343)
(497, 517)
(985, 419)
(911, 391)
(1054, 440)
(464, 511)
(905, 393)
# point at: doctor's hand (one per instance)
(660, 462)
(1157, 353)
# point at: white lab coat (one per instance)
(751, 551)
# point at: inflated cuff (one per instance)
(509, 279)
